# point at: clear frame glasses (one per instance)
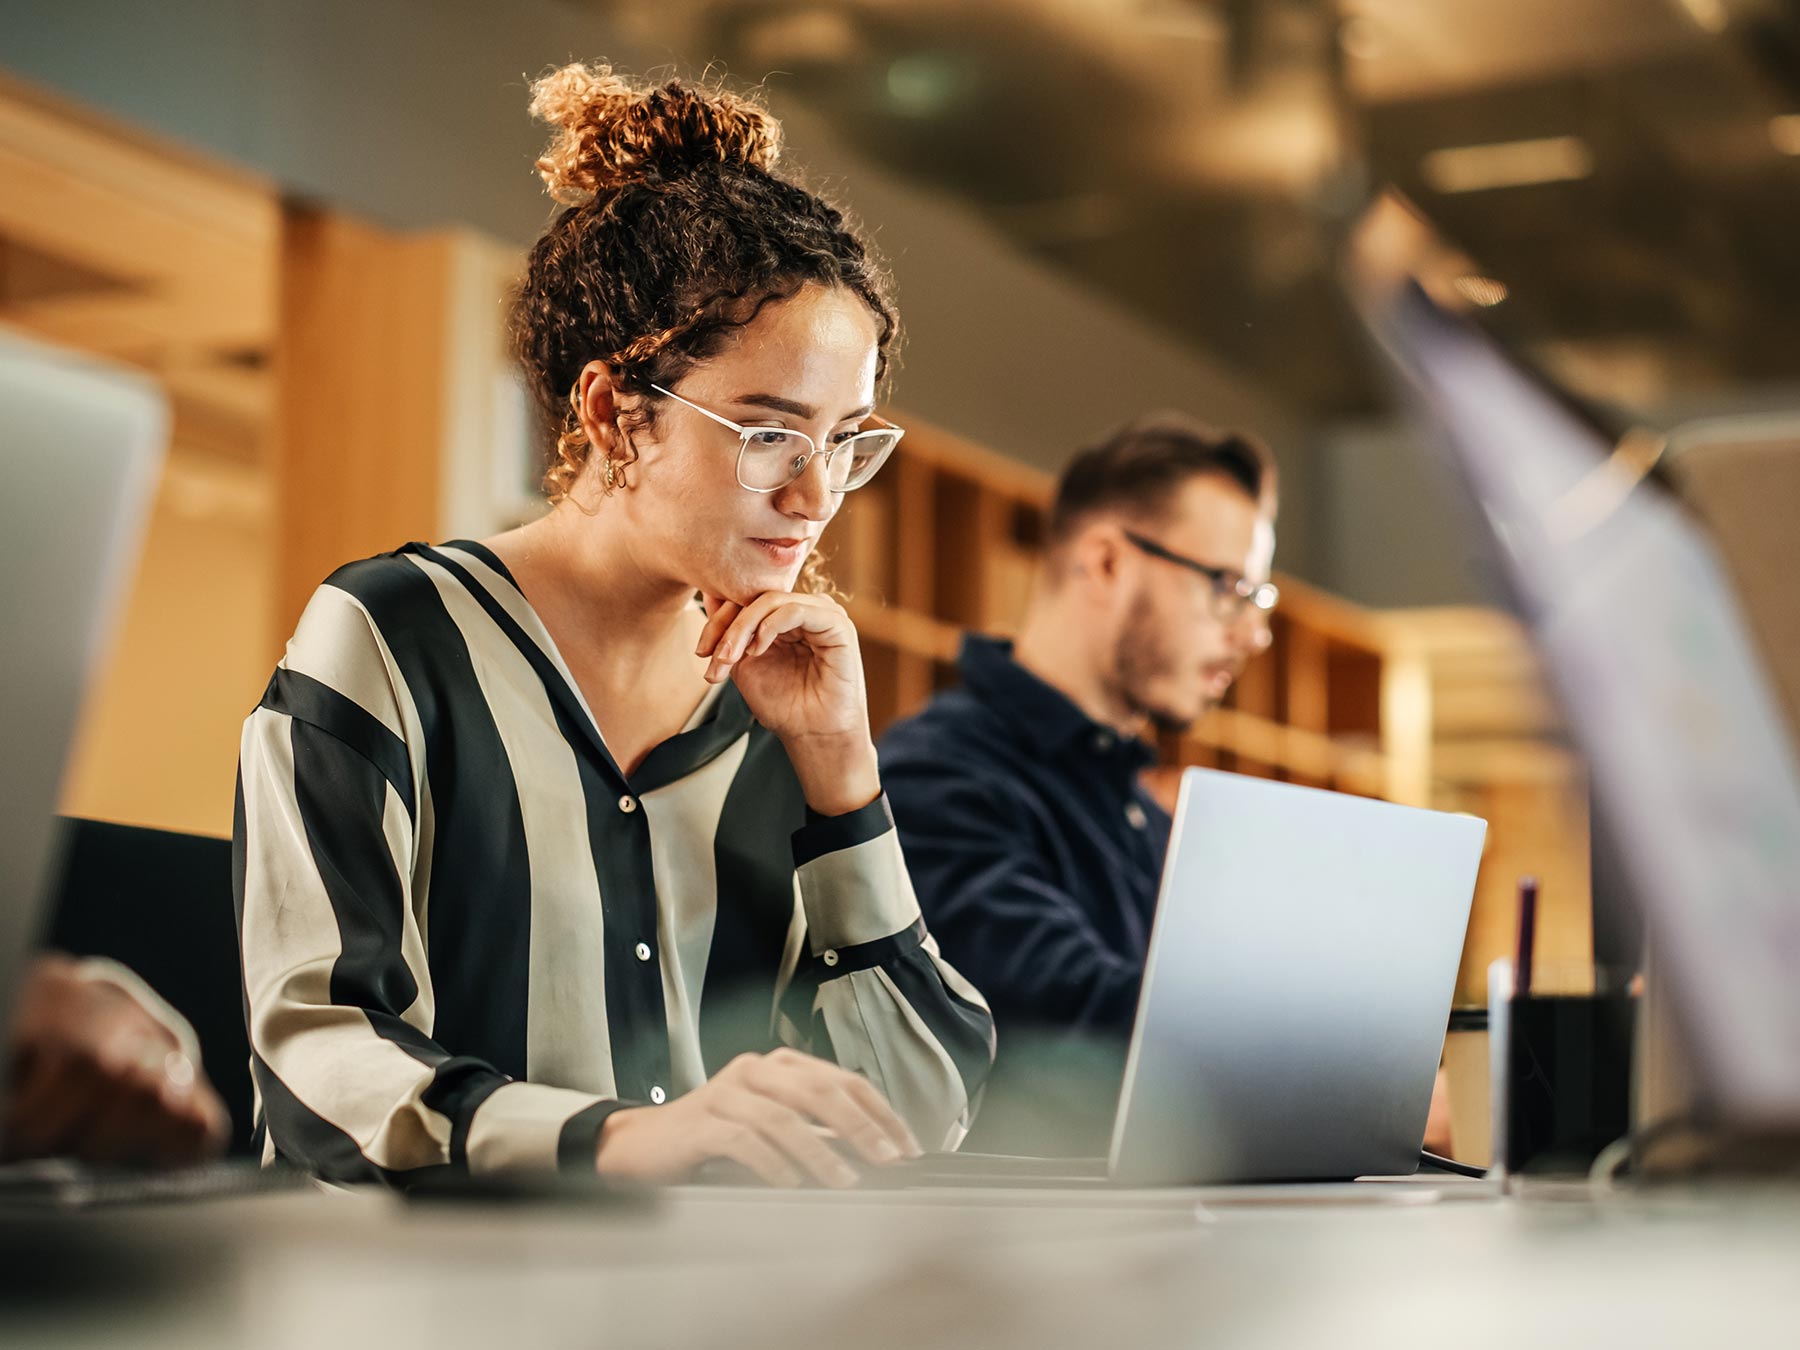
(769, 458)
(1232, 593)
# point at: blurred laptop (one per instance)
(81, 448)
(1644, 641)
(81, 445)
(1298, 983)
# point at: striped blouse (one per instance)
(467, 937)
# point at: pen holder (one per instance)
(1560, 1059)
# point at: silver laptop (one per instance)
(81, 445)
(1298, 985)
(1299, 981)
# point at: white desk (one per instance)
(1427, 1266)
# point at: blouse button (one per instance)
(658, 1096)
(829, 957)
(628, 804)
(1135, 817)
(643, 951)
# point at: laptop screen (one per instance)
(1661, 684)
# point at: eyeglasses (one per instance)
(1232, 593)
(769, 458)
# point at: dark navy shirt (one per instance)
(1035, 851)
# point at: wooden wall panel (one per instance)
(361, 361)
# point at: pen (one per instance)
(1528, 898)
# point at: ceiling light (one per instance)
(1784, 133)
(1708, 14)
(1477, 168)
(1479, 290)
(923, 85)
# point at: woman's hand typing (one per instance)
(770, 1113)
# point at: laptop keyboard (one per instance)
(62, 1184)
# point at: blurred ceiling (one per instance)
(1627, 172)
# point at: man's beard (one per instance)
(1143, 658)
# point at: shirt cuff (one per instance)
(538, 1128)
(854, 885)
(105, 970)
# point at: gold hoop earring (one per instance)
(609, 471)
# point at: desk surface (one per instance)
(1427, 1265)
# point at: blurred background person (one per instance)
(1035, 848)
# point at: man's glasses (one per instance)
(769, 458)
(1232, 593)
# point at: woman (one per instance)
(545, 861)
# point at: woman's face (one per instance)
(806, 363)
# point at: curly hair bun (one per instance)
(611, 131)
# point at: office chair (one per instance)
(160, 903)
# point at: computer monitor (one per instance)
(1645, 647)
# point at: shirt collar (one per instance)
(1038, 711)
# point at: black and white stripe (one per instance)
(467, 937)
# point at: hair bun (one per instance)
(611, 131)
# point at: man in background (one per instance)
(1035, 850)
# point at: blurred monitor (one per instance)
(80, 448)
(1730, 470)
(1661, 683)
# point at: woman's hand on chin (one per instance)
(796, 661)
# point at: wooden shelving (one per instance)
(948, 541)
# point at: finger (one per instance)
(728, 648)
(809, 623)
(816, 621)
(745, 1146)
(790, 1132)
(163, 1114)
(869, 1097)
(719, 614)
(743, 624)
(128, 1041)
(823, 1091)
(782, 623)
(175, 1138)
(844, 1102)
(215, 1120)
(134, 1054)
(185, 1124)
(847, 1119)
